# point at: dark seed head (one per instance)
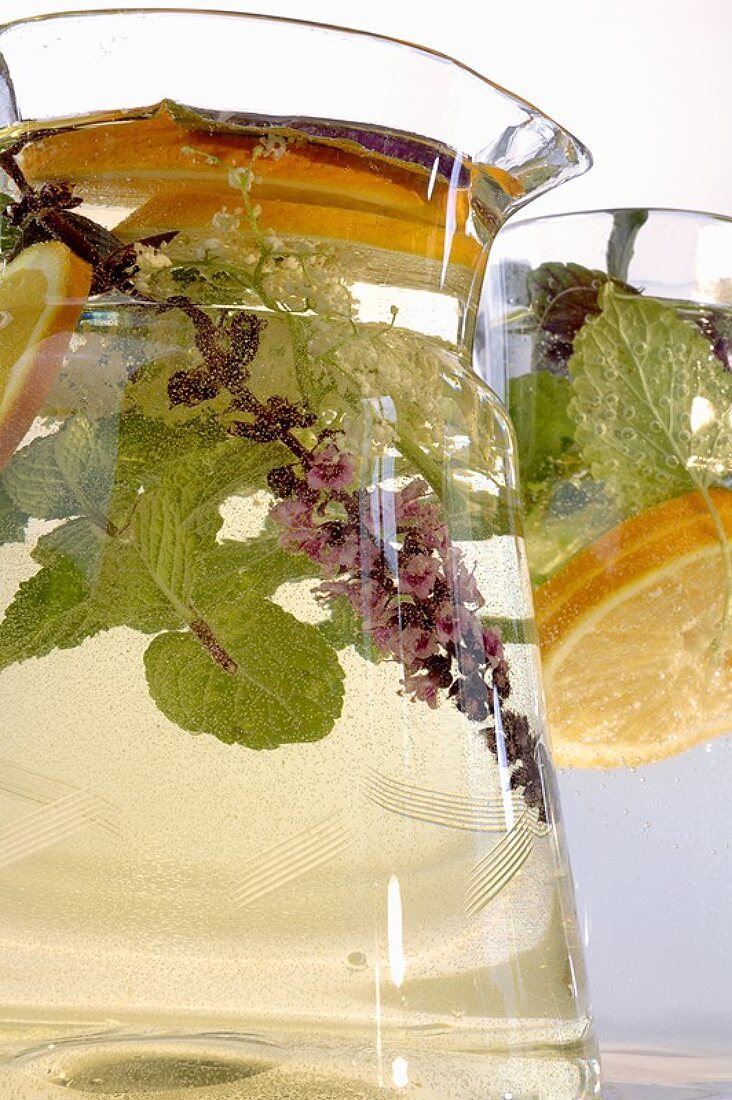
(191, 387)
(283, 481)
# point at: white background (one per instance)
(647, 85)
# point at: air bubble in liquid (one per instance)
(356, 960)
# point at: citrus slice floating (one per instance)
(42, 293)
(637, 661)
(167, 174)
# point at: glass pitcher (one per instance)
(277, 813)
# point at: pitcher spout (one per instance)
(538, 155)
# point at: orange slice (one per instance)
(42, 293)
(172, 176)
(635, 664)
(187, 208)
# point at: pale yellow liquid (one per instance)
(185, 917)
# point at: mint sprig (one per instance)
(229, 662)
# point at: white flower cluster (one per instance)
(369, 361)
(273, 144)
(150, 261)
(303, 279)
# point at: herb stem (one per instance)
(208, 640)
(60, 228)
(12, 169)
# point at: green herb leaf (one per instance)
(35, 483)
(79, 540)
(259, 563)
(652, 405)
(127, 594)
(121, 590)
(86, 456)
(68, 472)
(12, 520)
(178, 520)
(538, 405)
(50, 611)
(246, 671)
(285, 683)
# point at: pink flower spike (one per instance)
(422, 686)
(293, 513)
(416, 646)
(331, 469)
(415, 489)
(461, 580)
(446, 627)
(418, 575)
(492, 645)
(332, 589)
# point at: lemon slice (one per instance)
(635, 669)
(42, 293)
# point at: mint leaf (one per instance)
(120, 589)
(246, 671)
(177, 521)
(50, 611)
(260, 563)
(287, 685)
(126, 594)
(86, 456)
(652, 405)
(538, 406)
(12, 520)
(68, 472)
(35, 483)
(79, 540)
(96, 467)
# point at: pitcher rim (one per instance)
(582, 153)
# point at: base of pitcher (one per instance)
(227, 1065)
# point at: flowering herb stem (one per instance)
(405, 579)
